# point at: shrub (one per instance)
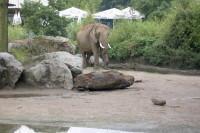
(22, 54)
(16, 33)
(172, 42)
(43, 20)
(183, 36)
(129, 38)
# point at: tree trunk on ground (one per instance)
(3, 26)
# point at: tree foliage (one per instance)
(58, 4)
(43, 20)
(89, 5)
(107, 4)
(174, 41)
(152, 8)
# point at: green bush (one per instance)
(183, 37)
(129, 38)
(171, 42)
(185, 31)
(22, 54)
(43, 20)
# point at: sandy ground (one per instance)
(129, 109)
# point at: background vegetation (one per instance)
(16, 33)
(169, 35)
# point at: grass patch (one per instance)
(21, 54)
(16, 33)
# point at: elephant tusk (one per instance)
(109, 45)
(101, 45)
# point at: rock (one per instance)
(17, 44)
(159, 102)
(14, 45)
(49, 74)
(10, 70)
(55, 43)
(3, 76)
(44, 44)
(96, 81)
(73, 62)
(91, 61)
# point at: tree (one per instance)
(89, 5)
(58, 4)
(152, 8)
(107, 4)
(184, 32)
(43, 20)
(3, 26)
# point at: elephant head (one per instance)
(99, 34)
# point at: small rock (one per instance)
(159, 102)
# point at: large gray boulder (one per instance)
(10, 70)
(96, 81)
(73, 62)
(49, 74)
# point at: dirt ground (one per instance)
(129, 109)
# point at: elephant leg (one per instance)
(84, 60)
(96, 56)
(104, 54)
(88, 58)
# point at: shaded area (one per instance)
(20, 95)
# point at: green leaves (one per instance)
(89, 5)
(43, 20)
(129, 38)
(152, 8)
(173, 41)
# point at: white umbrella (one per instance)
(109, 14)
(73, 12)
(130, 13)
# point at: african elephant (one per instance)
(92, 40)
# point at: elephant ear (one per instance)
(94, 35)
